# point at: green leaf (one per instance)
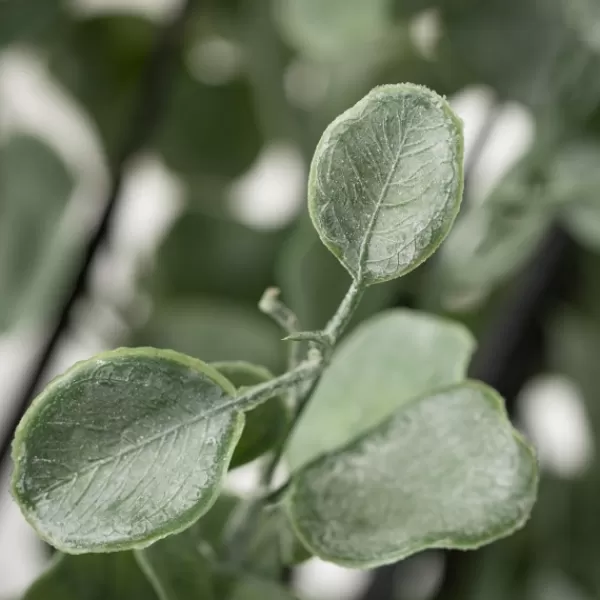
(29, 20)
(216, 330)
(575, 184)
(214, 256)
(192, 564)
(93, 577)
(100, 59)
(392, 358)
(551, 71)
(181, 567)
(386, 181)
(491, 242)
(209, 129)
(124, 449)
(445, 471)
(265, 425)
(330, 29)
(35, 187)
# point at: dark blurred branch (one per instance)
(152, 95)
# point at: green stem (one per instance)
(252, 397)
(340, 320)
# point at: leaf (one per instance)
(210, 129)
(267, 424)
(386, 181)
(181, 567)
(93, 577)
(192, 564)
(390, 359)
(100, 59)
(29, 20)
(575, 184)
(445, 471)
(551, 71)
(216, 330)
(124, 449)
(207, 255)
(330, 29)
(492, 241)
(35, 187)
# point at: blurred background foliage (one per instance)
(210, 201)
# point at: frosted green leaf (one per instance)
(94, 577)
(386, 181)
(446, 471)
(124, 449)
(386, 361)
(265, 425)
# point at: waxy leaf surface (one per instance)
(386, 361)
(386, 181)
(123, 449)
(446, 471)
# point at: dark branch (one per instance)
(152, 95)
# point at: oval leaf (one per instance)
(124, 449)
(393, 357)
(446, 471)
(265, 425)
(95, 577)
(386, 181)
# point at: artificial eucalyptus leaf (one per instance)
(115, 576)
(386, 181)
(447, 470)
(265, 425)
(388, 360)
(124, 449)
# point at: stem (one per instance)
(271, 305)
(340, 320)
(256, 395)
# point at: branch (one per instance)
(153, 92)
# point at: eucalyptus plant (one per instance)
(389, 448)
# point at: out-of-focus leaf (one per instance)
(313, 282)
(265, 425)
(412, 352)
(447, 470)
(192, 564)
(209, 255)
(124, 449)
(30, 20)
(209, 129)
(491, 242)
(544, 53)
(100, 61)
(93, 577)
(326, 29)
(216, 330)
(575, 183)
(34, 189)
